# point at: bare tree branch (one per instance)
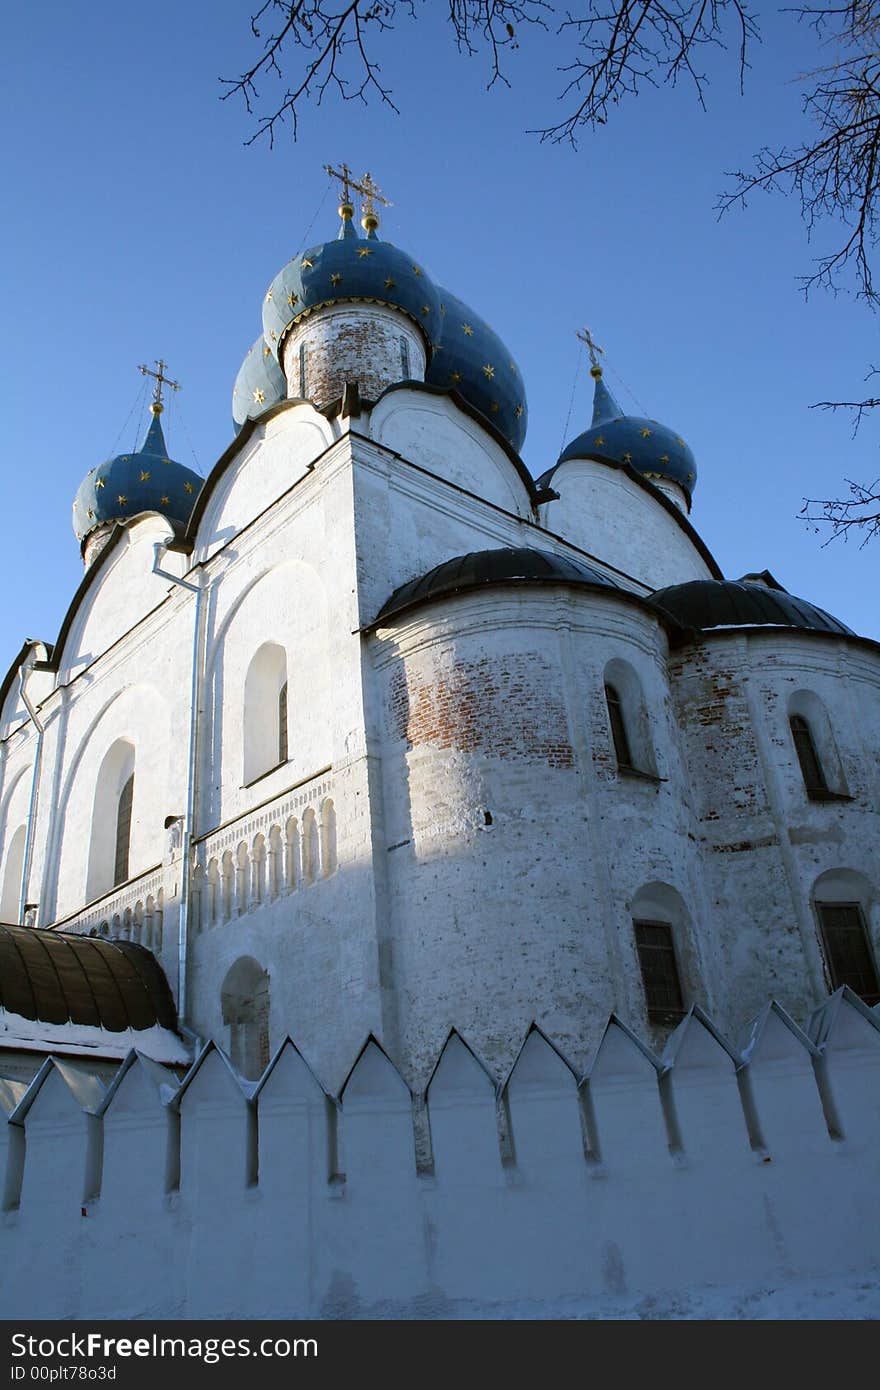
(336, 56)
(836, 174)
(636, 42)
(856, 515)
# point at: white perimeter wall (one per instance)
(710, 1174)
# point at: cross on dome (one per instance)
(367, 187)
(161, 380)
(593, 349)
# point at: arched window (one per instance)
(628, 720)
(815, 746)
(244, 1000)
(13, 868)
(618, 726)
(656, 952)
(811, 768)
(123, 831)
(847, 949)
(265, 712)
(113, 821)
(662, 937)
(843, 900)
(282, 724)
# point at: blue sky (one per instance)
(137, 224)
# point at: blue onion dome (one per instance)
(260, 384)
(129, 484)
(504, 565)
(753, 601)
(652, 449)
(471, 359)
(350, 268)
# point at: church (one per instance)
(386, 827)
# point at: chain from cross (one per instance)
(366, 186)
(592, 347)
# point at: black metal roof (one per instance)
(713, 603)
(504, 565)
(58, 977)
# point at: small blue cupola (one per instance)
(652, 449)
(128, 485)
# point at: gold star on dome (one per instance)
(691, 477)
(292, 299)
(259, 396)
(626, 458)
(267, 351)
(455, 377)
(645, 433)
(364, 251)
(488, 371)
(165, 501)
(268, 295)
(664, 458)
(494, 408)
(122, 499)
(599, 440)
(390, 284)
(680, 442)
(512, 366)
(274, 336)
(145, 477)
(416, 270)
(90, 513)
(467, 330)
(519, 410)
(188, 487)
(336, 278)
(306, 263)
(99, 482)
(426, 309)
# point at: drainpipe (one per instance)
(159, 549)
(32, 808)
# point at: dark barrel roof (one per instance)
(501, 566)
(58, 977)
(714, 603)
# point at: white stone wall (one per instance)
(612, 516)
(764, 843)
(515, 845)
(431, 432)
(709, 1182)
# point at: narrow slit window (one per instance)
(123, 831)
(848, 950)
(659, 972)
(282, 724)
(303, 383)
(811, 767)
(618, 727)
(404, 356)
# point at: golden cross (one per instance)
(366, 186)
(593, 348)
(371, 194)
(343, 173)
(161, 380)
